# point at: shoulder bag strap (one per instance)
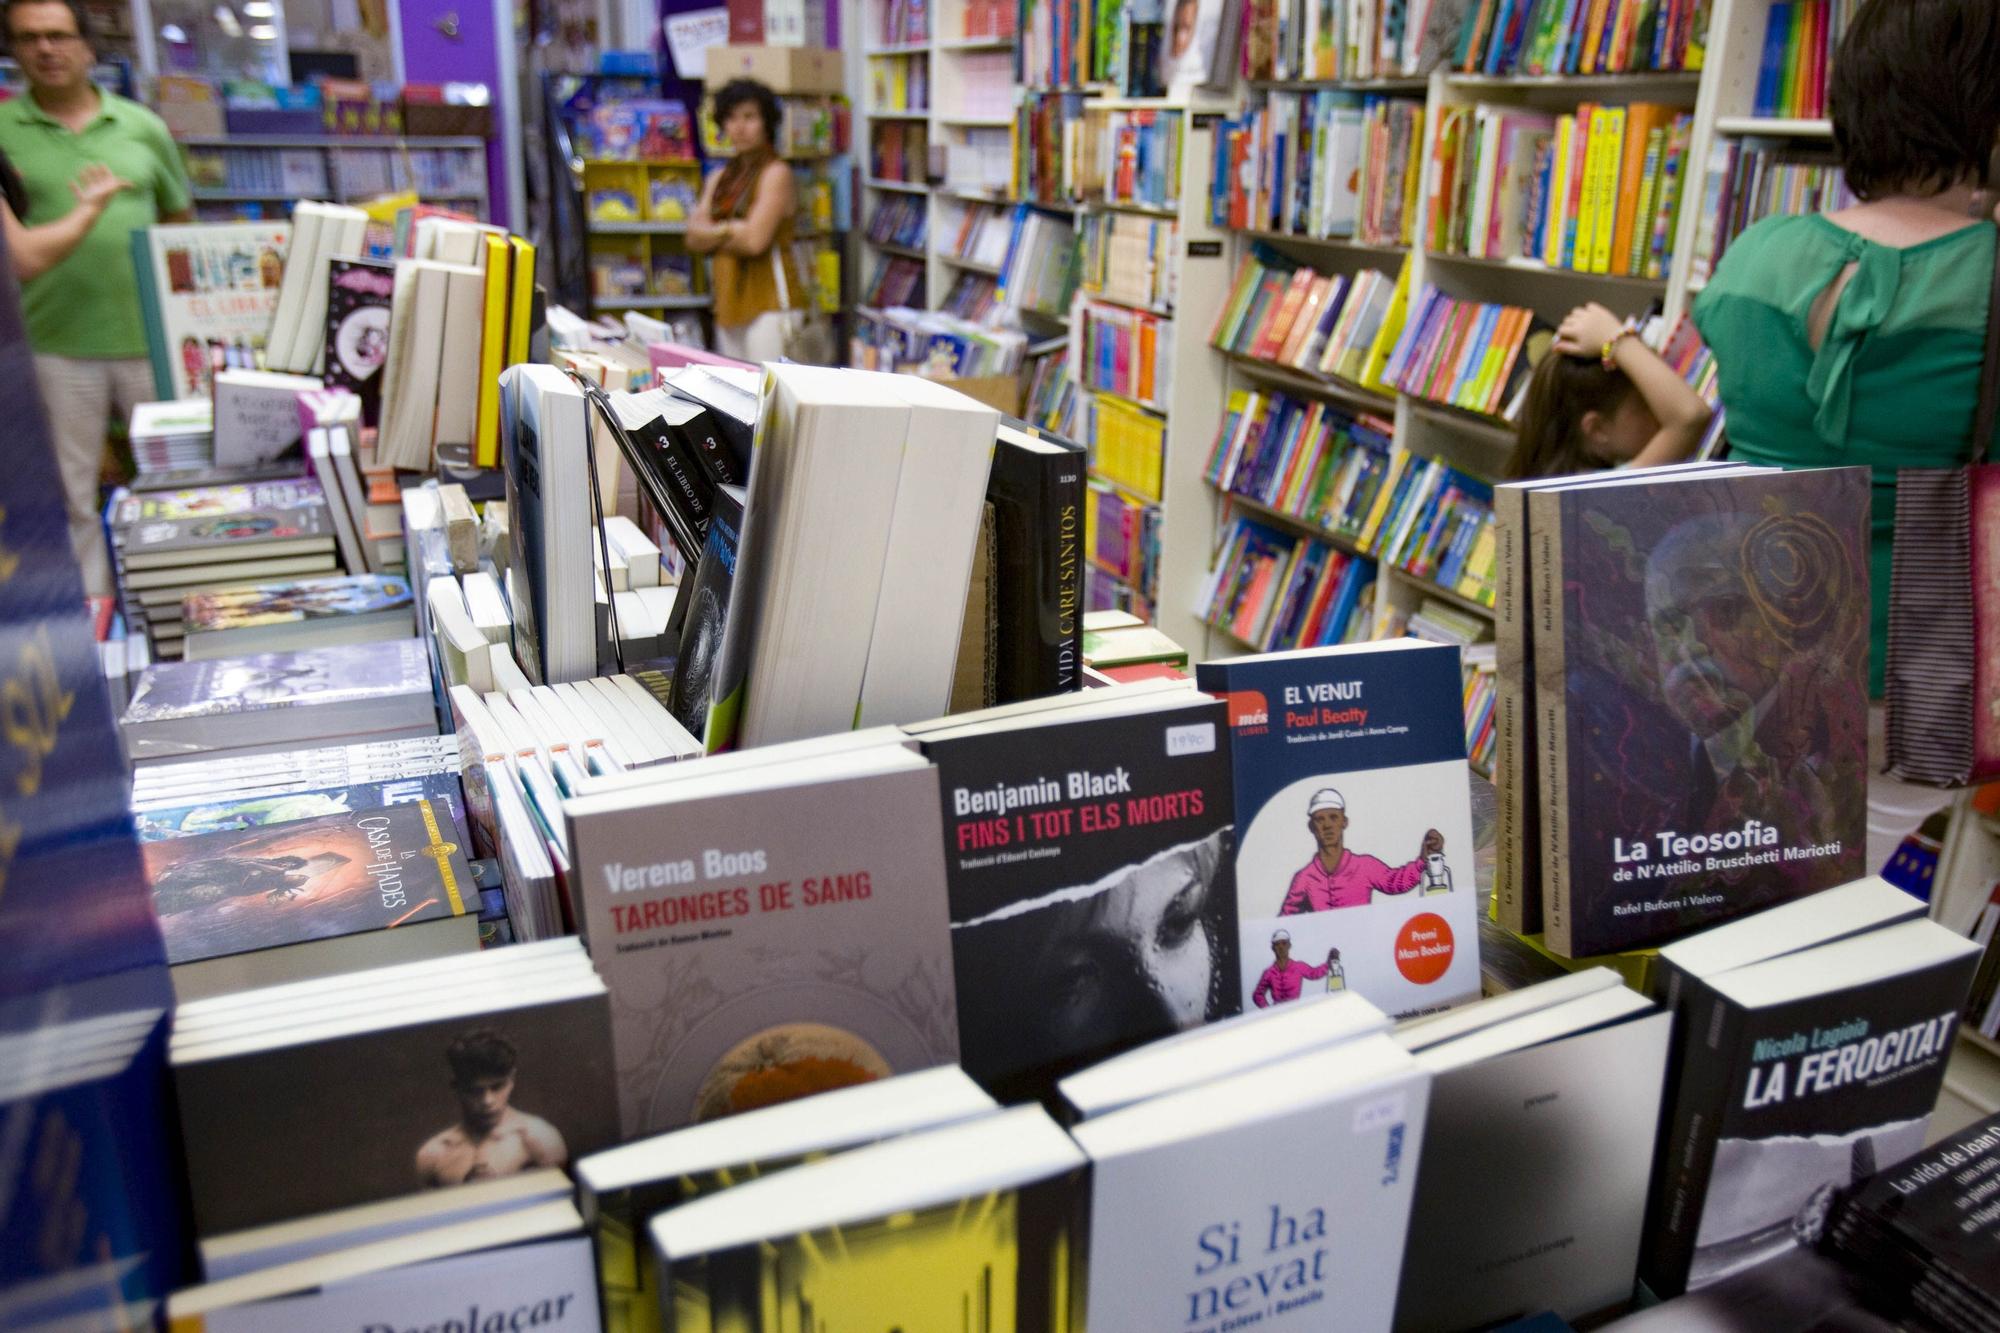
(1989, 369)
(785, 291)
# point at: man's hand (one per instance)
(1433, 843)
(97, 185)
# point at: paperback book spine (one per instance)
(1700, 1073)
(1552, 722)
(1517, 898)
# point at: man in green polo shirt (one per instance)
(83, 314)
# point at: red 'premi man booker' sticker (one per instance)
(1424, 948)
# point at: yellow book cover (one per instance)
(492, 355)
(1473, 577)
(1558, 202)
(1387, 335)
(1498, 340)
(997, 1263)
(1399, 463)
(522, 311)
(1607, 189)
(1592, 131)
(1413, 179)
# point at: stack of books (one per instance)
(168, 544)
(1322, 164)
(297, 613)
(1330, 324)
(1800, 37)
(172, 437)
(1467, 354)
(1598, 191)
(1921, 1232)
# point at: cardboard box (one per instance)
(1000, 392)
(782, 69)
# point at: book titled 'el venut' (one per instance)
(1701, 655)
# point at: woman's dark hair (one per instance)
(1915, 95)
(1549, 438)
(738, 91)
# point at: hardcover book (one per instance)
(1701, 650)
(1798, 1076)
(1092, 891)
(706, 611)
(243, 890)
(973, 1225)
(1205, 1213)
(207, 291)
(1354, 864)
(357, 329)
(765, 941)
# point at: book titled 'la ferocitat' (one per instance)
(1701, 651)
(1093, 904)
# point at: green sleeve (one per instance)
(172, 194)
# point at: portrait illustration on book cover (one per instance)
(1713, 723)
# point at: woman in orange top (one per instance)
(744, 222)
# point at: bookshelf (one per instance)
(243, 169)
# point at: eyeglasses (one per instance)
(26, 39)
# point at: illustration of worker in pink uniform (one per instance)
(1337, 877)
(1285, 978)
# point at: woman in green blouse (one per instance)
(1855, 337)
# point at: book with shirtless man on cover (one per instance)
(1354, 861)
(303, 1098)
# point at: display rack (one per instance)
(255, 169)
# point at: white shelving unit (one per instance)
(1721, 99)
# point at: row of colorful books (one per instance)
(1467, 354)
(1329, 324)
(1130, 157)
(1045, 126)
(972, 296)
(1122, 535)
(1345, 41)
(1800, 37)
(897, 84)
(896, 281)
(896, 151)
(1039, 268)
(1105, 592)
(1321, 164)
(1296, 456)
(1128, 444)
(1749, 180)
(1129, 258)
(1274, 591)
(1539, 37)
(1123, 351)
(898, 219)
(1598, 191)
(1435, 523)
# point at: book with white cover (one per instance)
(545, 435)
(1215, 1050)
(1848, 909)
(947, 455)
(1281, 1195)
(257, 417)
(306, 218)
(342, 231)
(458, 357)
(528, 1265)
(1536, 1160)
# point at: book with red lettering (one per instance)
(1354, 856)
(768, 927)
(1088, 850)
